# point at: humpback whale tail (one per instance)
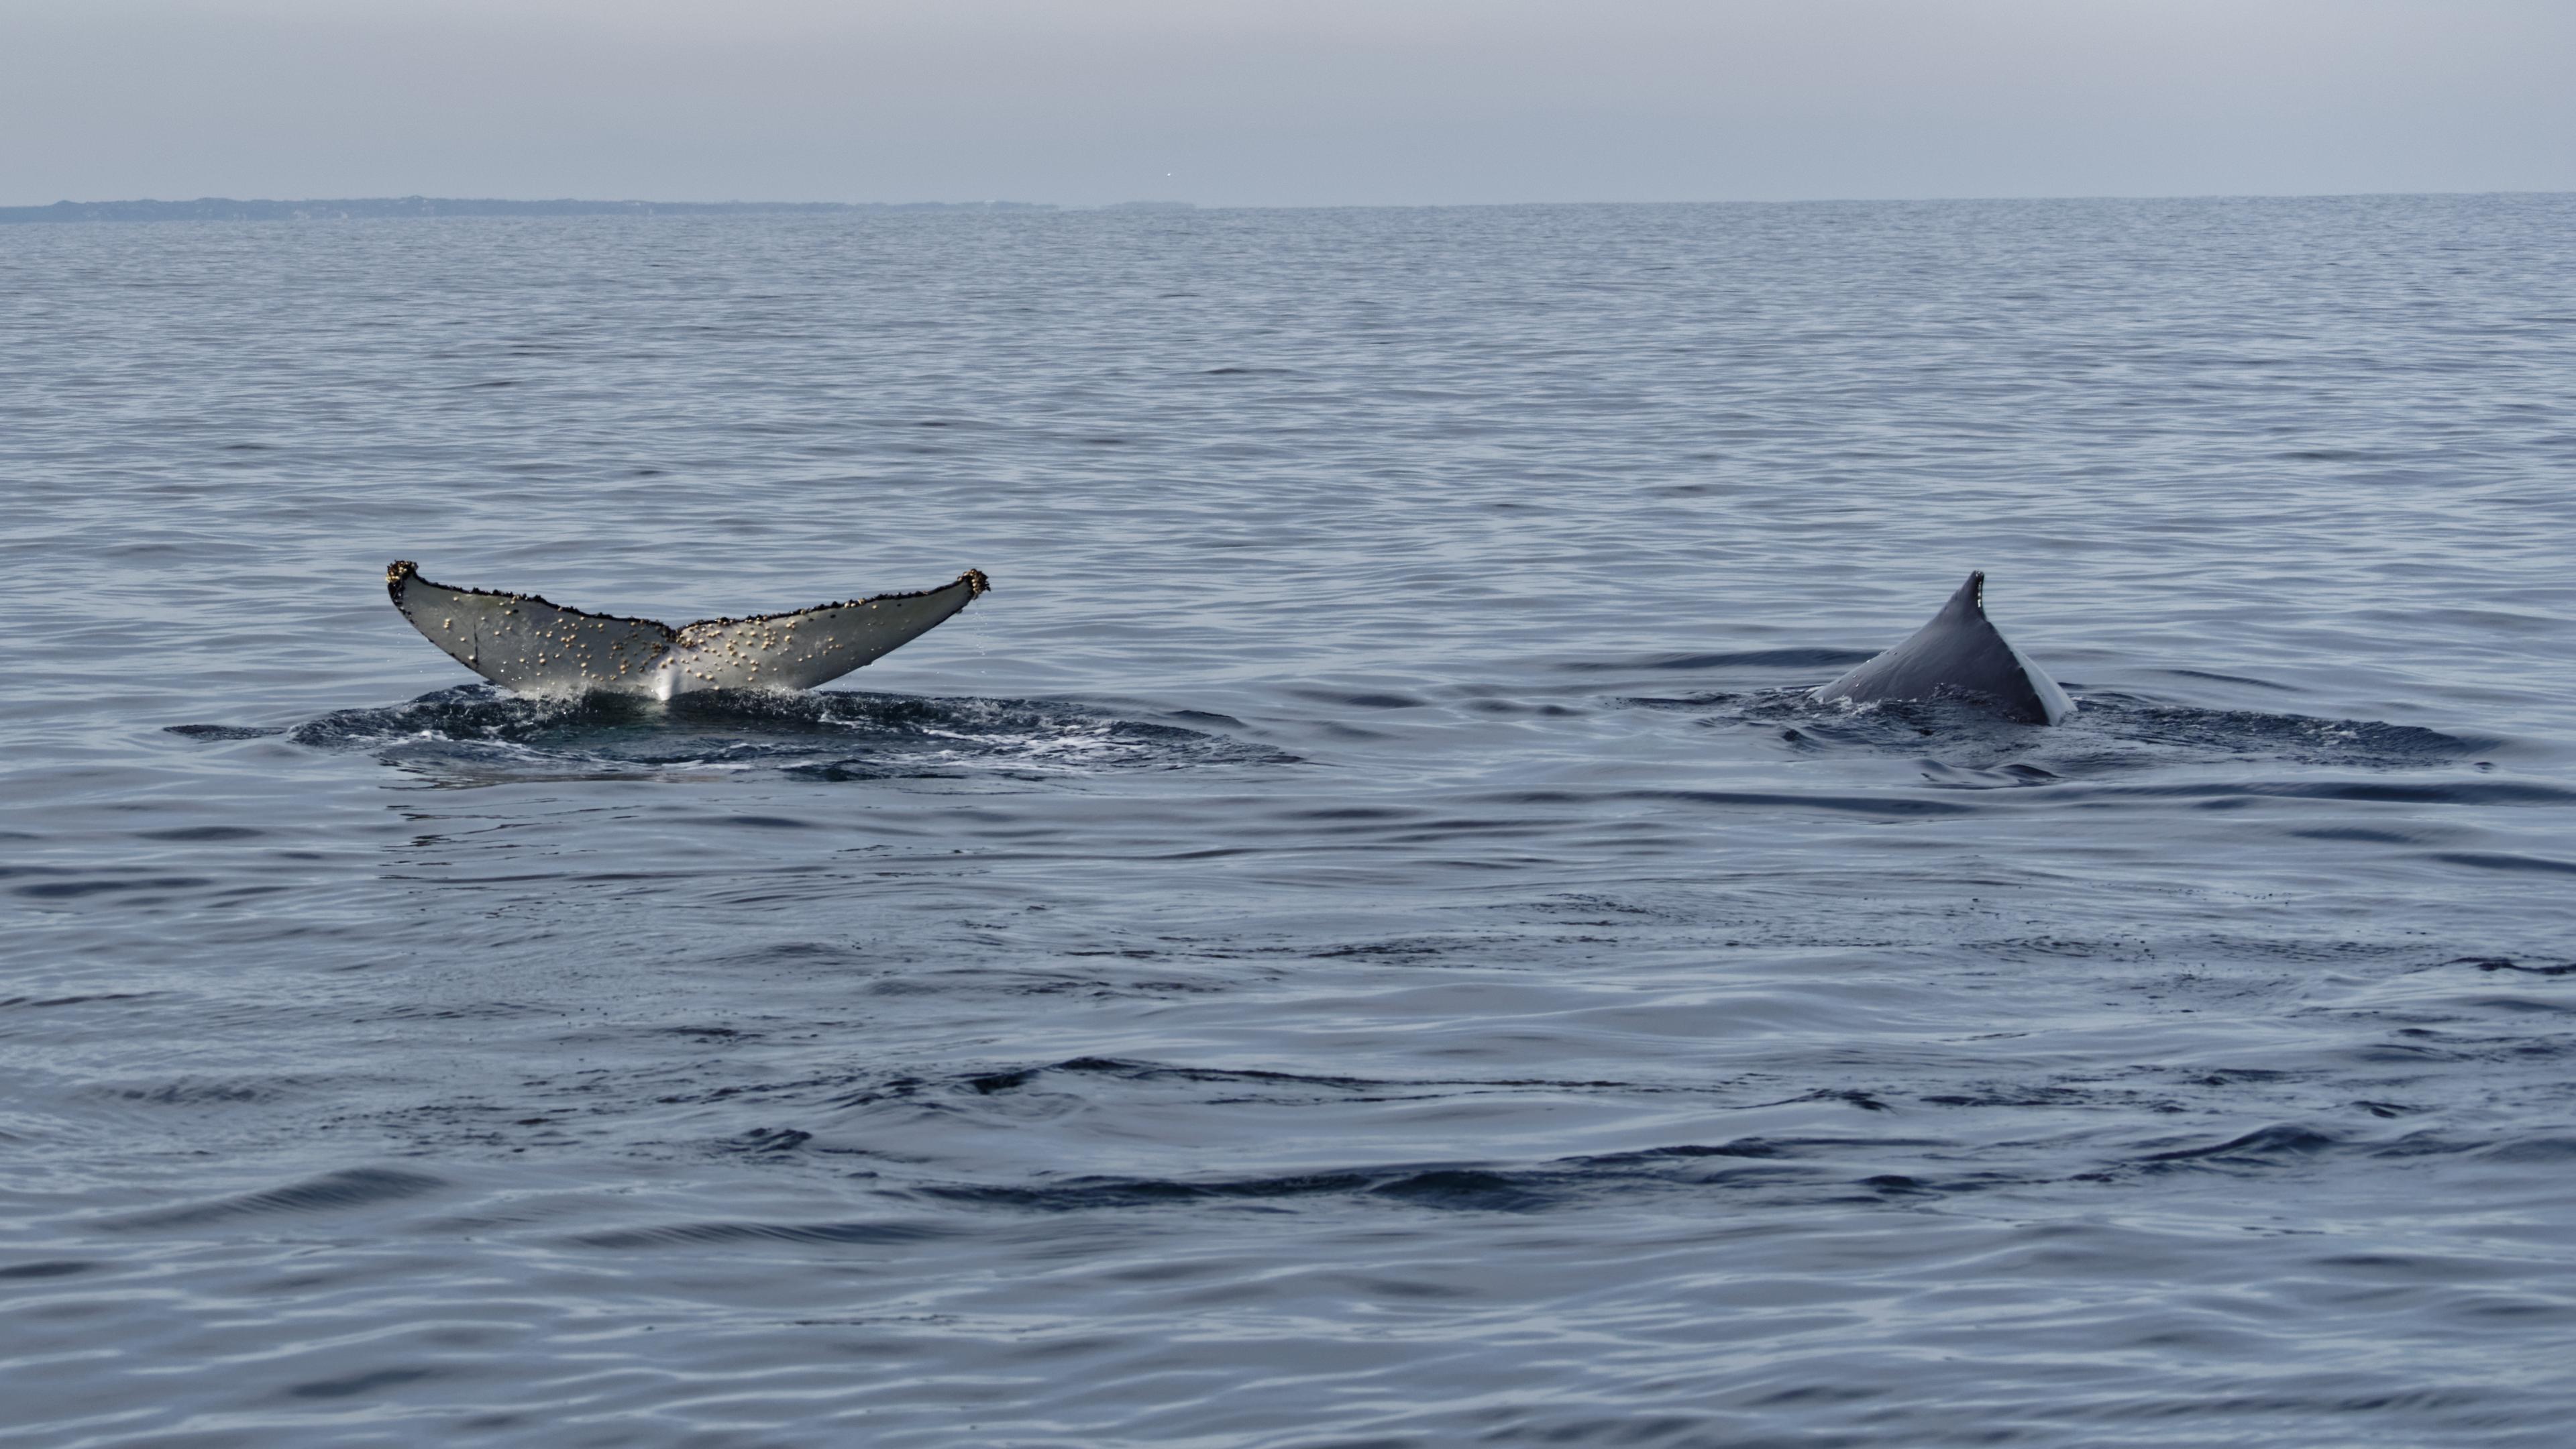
(1959, 654)
(522, 642)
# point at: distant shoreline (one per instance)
(223, 208)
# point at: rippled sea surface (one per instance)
(1357, 939)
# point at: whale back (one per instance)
(1959, 654)
(530, 645)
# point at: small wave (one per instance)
(333, 1192)
(475, 733)
(2279, 1145)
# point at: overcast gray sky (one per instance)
(1298, 102)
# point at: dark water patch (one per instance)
(2232, 1076)
(1802, 1165)
(353, 1188)
(1089, 1194)
(2010, 1096)
(1849, 1096)
(56, 1268)
(1363, 699)
(2506, 861)
(844, 772)
(198, 1092)
(2061, 948)
(719, 1234)
(1265, 1084)
(1463, 1190)
(1541, 709)
(2230, 679)
(2452, 792)
(1357, 813)
(772, 1140)
(65, 890)
(197, 834)
(2281, 1145)
(479, 732)
(34, 1002)
(1416, 948)
(1764, 1148)
(2548, 1148)
(2507, 963)
(2301, 739)
(2015, 776)
(1886, 807)
(224, 731)
(356, 1385)
(1158, 1071)
(1794, 658)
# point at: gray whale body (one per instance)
(1960, 654)
(522, 642)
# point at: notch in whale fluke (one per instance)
(1959, 654)
(523, 642)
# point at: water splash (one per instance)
(476, 733)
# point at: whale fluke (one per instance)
(1959, 654)
(524, 643)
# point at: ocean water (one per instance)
(1357, 940)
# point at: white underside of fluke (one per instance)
(526, 644)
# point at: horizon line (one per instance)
(59, 210)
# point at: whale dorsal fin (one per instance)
(1961, 654)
